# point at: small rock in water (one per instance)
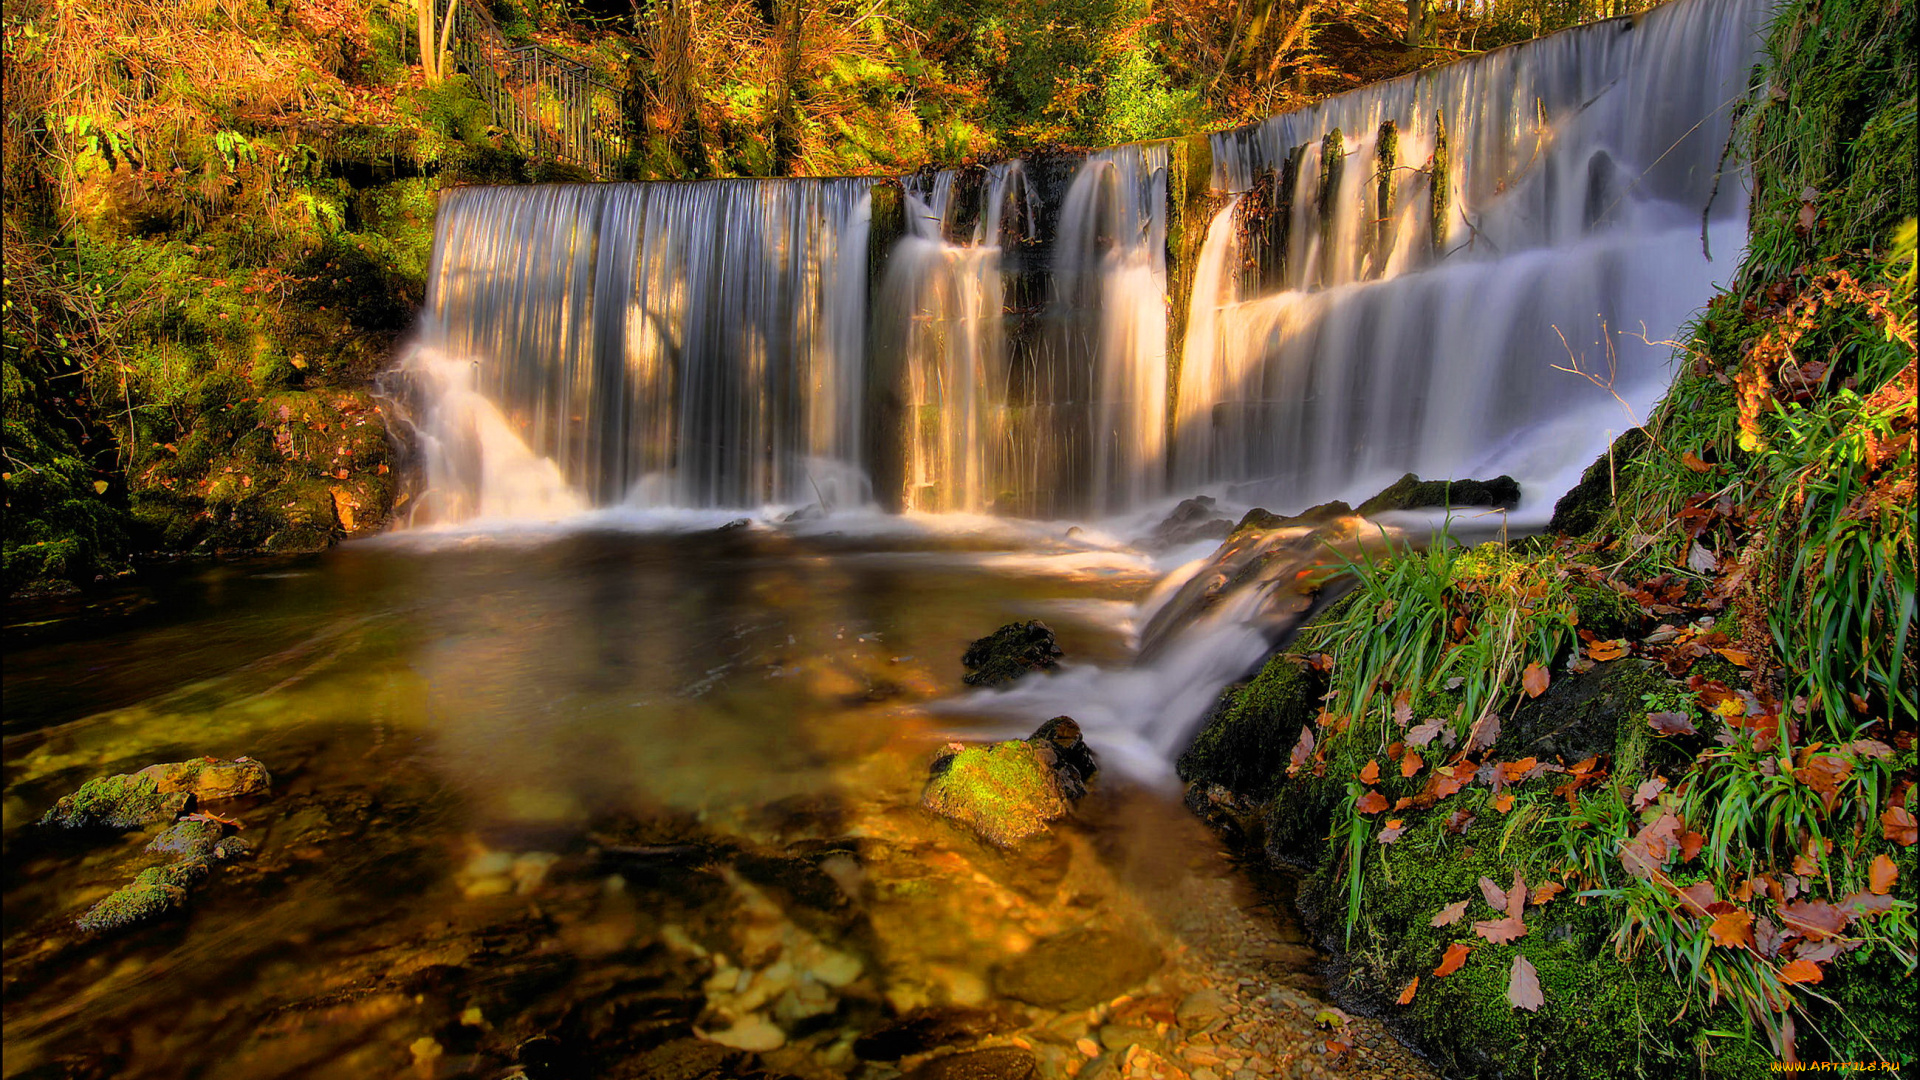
(1077, 969)
(1193, 520)
(1063, 734)
(126, 801)
(1003, 791)
(1200, 1008)
(233, 847)
(998, 1063)
(753, 1033)
(926, 1029)
(190, 837)
(1010, 652)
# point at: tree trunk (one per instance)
(1416, 14)
(427, 52)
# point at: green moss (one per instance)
(1002, 791)
(133, 904)
(1244, 745)
(182, 875)
(1412, 493)
(125, 801)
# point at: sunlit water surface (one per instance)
(520, 779)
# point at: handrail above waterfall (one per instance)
(550, 104)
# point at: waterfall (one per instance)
(1466, 271)
(688, 344)
(1469, 270)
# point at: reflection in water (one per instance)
(637, 795)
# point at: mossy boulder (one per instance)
(134, 904)
(1581, 510)
(1412, 493)
(1193, 520)
(1009, 653)
(1258, 520)
(1003, 791)
(127, 801)
(1246, 739)
(190, 837)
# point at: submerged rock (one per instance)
(997, 1063)
(1412, 493)
(1062, 735)
(1257, 519)
(1010, 652)
(1077, 969)
(925, 1029)
(1003, 791)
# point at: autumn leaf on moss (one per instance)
(1403, 708)
(1670, 723)
(1692, 461)
(1371, 803)
(1546, 891)
(1391, 834)
(1302, 750)
(1370, 773)
(1406, 995)
(1801, 971)
(1732, 930)
(1603, 651)
(1816, 919)
(1456, 956)
(1449, 915)
(1898, 826)
(1690, 845)
(1411, 764)
(1649, 790)
(1534, 680)
(1484, 733)
(1425, 732)
(1882, 875)
(1503, 802)
(1523, 986)
(1501, 931)
(1496, 897)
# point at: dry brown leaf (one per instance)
(1370, 773)
(1450, 914)
(1523, 986)
(1816, 919)
(1371, 803)
(1503, 802)
(1403, 708)
(1898, 825)
(1671, 723)
(1501, 931)
(1546, 891)
(1450, 963)
(1411, 764)
(1690, 845)
(1732, 930)
(1603, 651)
(1534, 680)
(1302, 750)
(1391, 834)
(1881, 875)
(1495, 896)
(1406, 995)
(1425, 731)
(1485, 732)
(1692, 461)
(1644, 795)
(1517, 895)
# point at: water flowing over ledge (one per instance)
(1398, 278)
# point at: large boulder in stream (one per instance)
(1009, 791)
(1010, 652)
(157, 793)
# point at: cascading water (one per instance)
(1433, 251)
(695, 344)
(1454, 273)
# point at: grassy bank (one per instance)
(1683, 728)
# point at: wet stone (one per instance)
(126, 801)
(190, 837)
(1010, 652)
(134, 904)
(1077, 969)
(926, 1029)
(998, 1063)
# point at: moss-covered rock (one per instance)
(1259, 520)
(192, 837)
(1010, 652)
(126, 801)
(1244, 743)
(1003, 791)
(133, 904)
(1412, 493)
(1581, 510)
(211, 779)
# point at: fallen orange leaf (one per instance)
(1370, 774)
(1534, 680)
(1503, 802)
(1456, 956)
(1882, 875)
(1406, 995)
(1371, 803)
(1801, 971)
(1411, 764)
(1733, 930)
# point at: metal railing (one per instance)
(552, 106)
